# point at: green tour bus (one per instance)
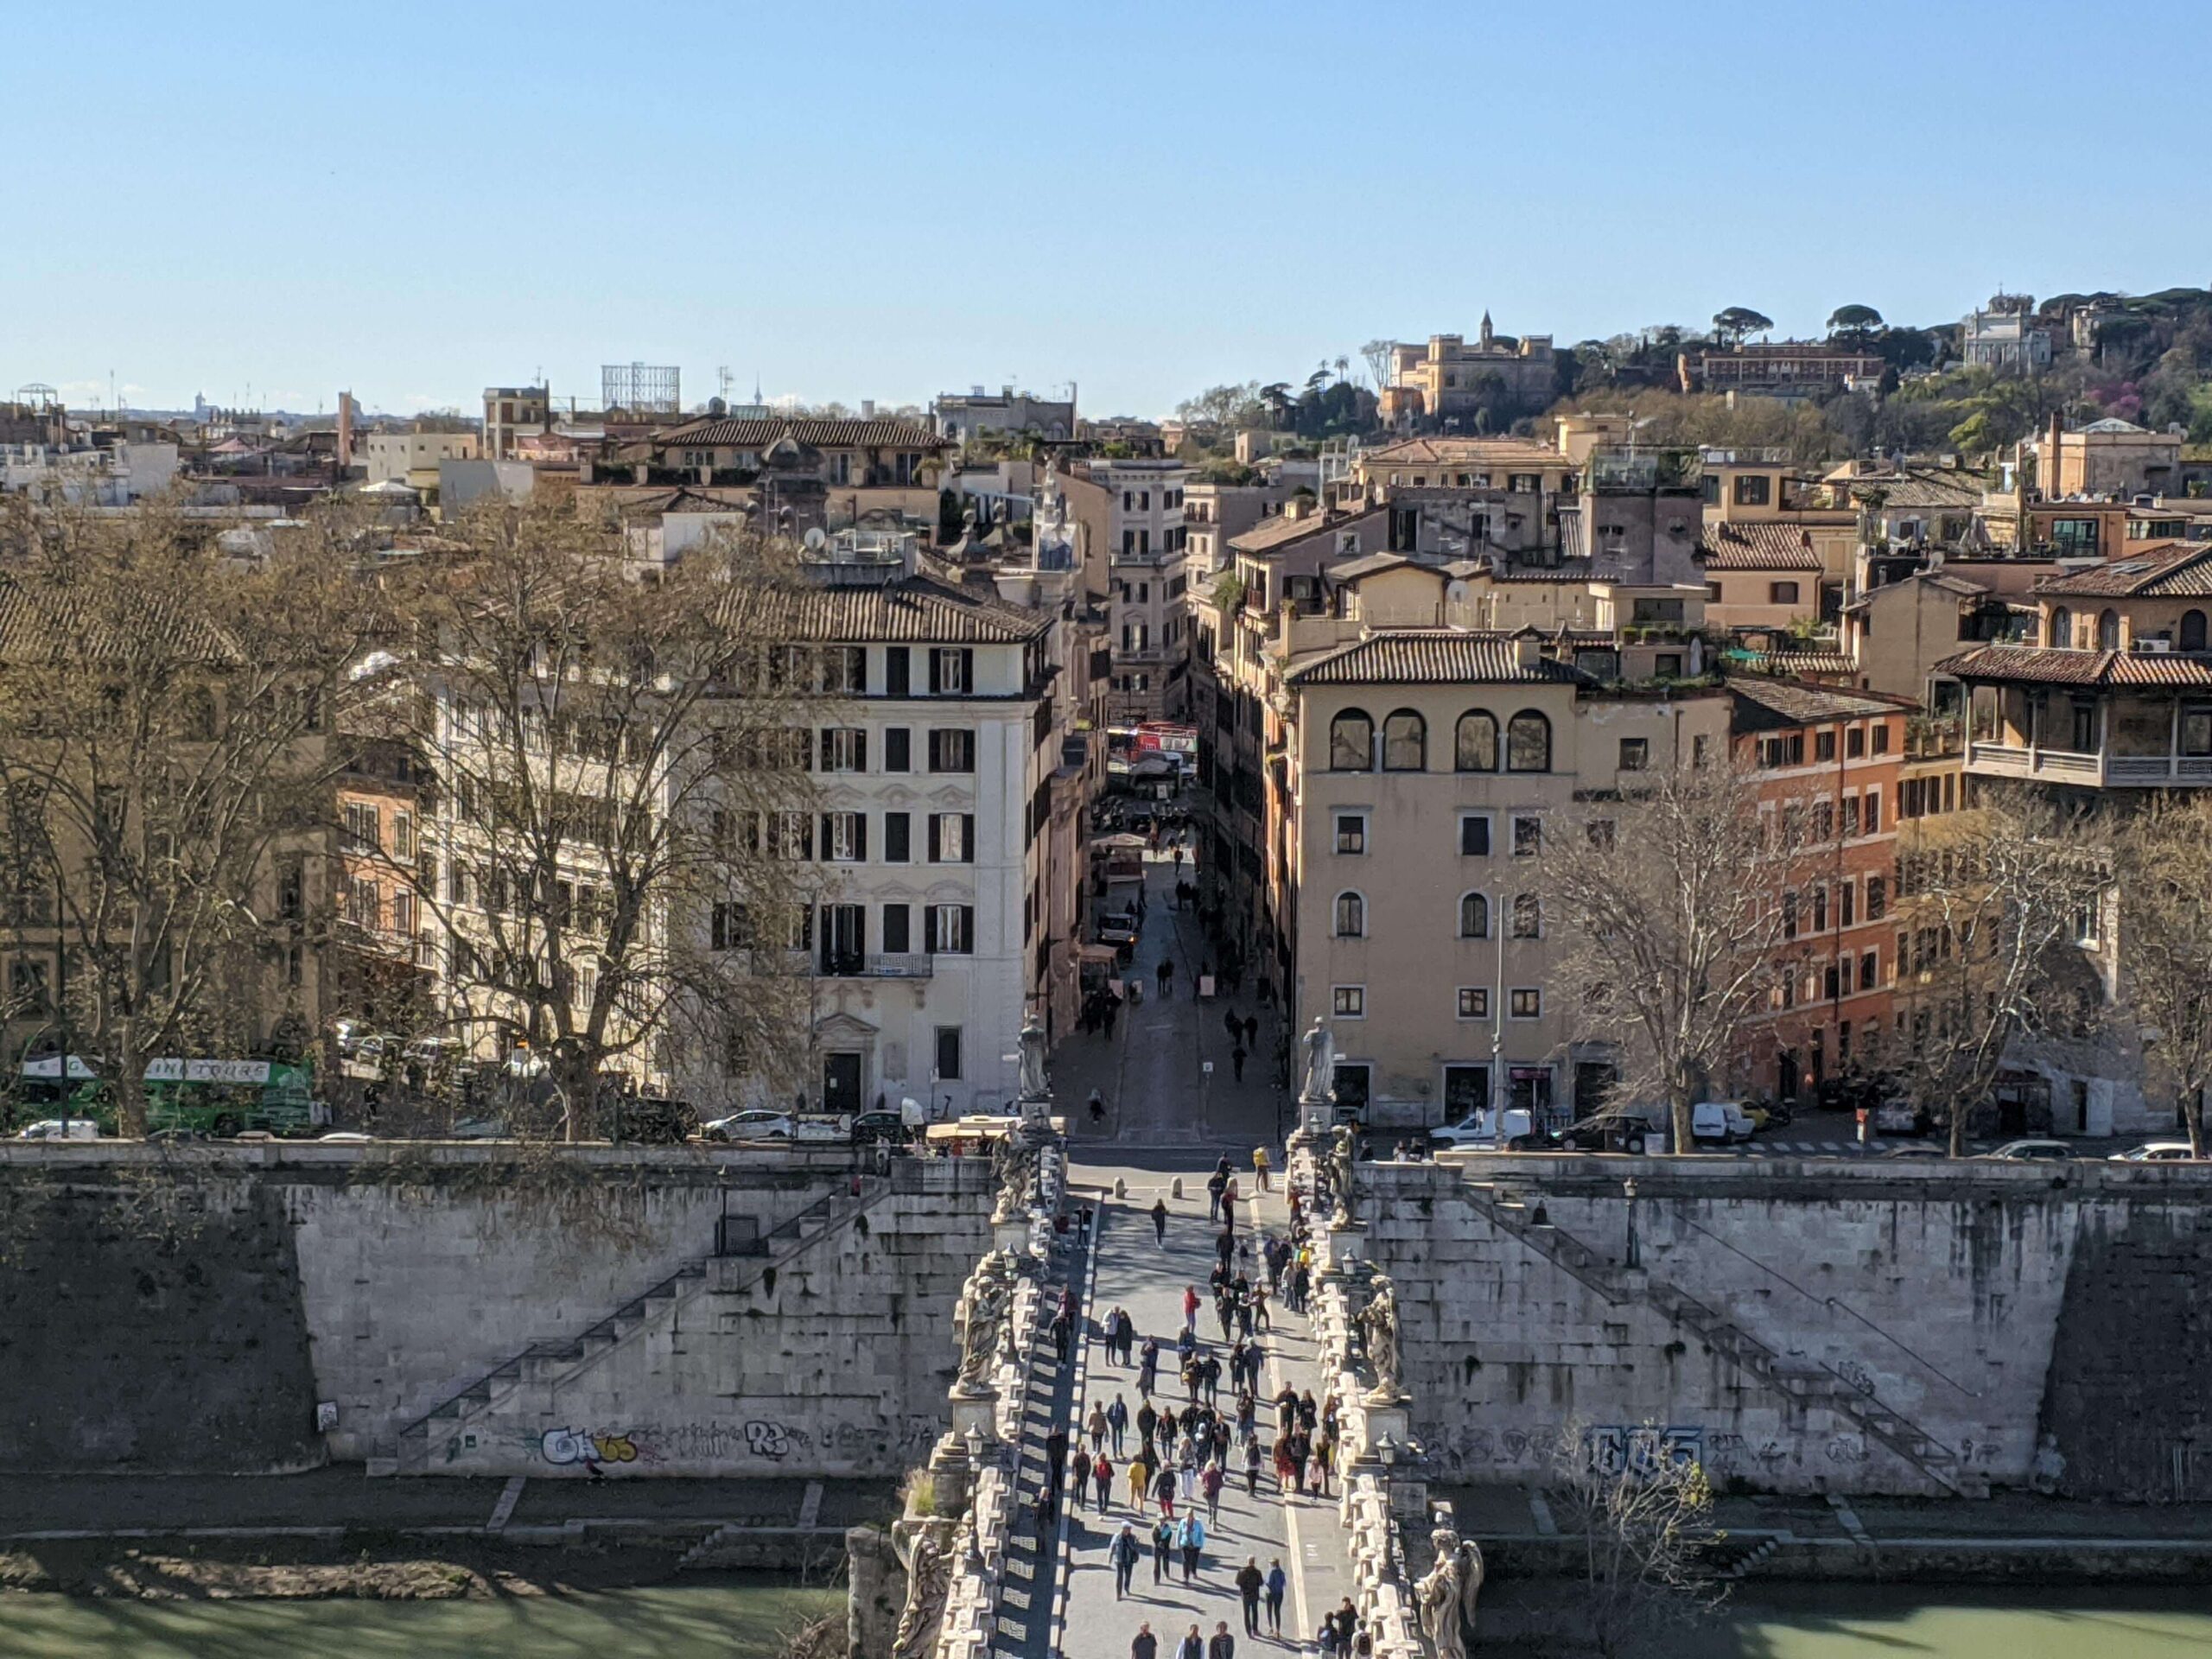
(215, 1098)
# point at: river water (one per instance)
(739, 1621)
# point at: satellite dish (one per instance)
(814, 539)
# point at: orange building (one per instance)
(1834, 756)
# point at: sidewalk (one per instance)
(1304, 1533)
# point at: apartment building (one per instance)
(939, 898)
(2107, 706)
(412, 457)
(383, 936)
(963, 416)
(1785, 369)
(1421, 770)
(511, 413)
(1123, 520)
(1830, 758)
(2107, 457)
(805, 473)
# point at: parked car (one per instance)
(347, 1137)
(2030, 1150)
(2156, 1151)
(1720, 1120)
(757, 1124)
(54, 1128)
(176, 1135)
(1915, 1152)
(869, 1128)
(480, 1129)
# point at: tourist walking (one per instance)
(1191, 1535)
(1144, 1644)
(1117, 1422)
(1192, 1646)
(1250, 1581)
(1102, 1475)
(1278, 1581)
(1163, 1541)
(1125, 1553)
(1191, 1308)
(1159, 1221)
(1140, 1482)
(1224, 1645)
(1095, 1426)
(1080, 1484)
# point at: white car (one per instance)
(758, 1124)
(1480, 1128)
(52, 1128)
(2155, 1152)
(1720, 1120)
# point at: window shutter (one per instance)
(967, 837)
(967, 927)
(860, 751)
(936, 748)
(860, 836)
(968, 671)
(934, 855)
(829, 844)
(895, 671)
(929, 929)
(898, 837)
(898, 749)
(827, 758)
(936, 674)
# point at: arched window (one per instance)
(2192, 630)
(1528, 916)
(2108, 631)
(1528, 742)
(1351, 916)
(2062, 628)
(1405, 742)
(1474, 915)
(1351, 742)
(1475, 747)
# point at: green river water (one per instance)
(733, 1621)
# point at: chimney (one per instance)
(867, 409)
(1528, 649)
(345, 430)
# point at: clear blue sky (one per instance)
(856, 200)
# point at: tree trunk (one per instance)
(1678, 1112)
(2192, 1102)
(1959, 1112)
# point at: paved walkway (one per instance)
(1132, 1271)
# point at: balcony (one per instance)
(855, 965)
(2091, 770)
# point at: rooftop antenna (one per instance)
(726, 378)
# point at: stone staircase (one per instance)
(1808, 1383)
(554, 1363)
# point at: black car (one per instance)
(869, 1128)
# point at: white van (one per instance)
(1720, 1120)
(1481, 1128)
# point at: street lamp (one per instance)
(1634, 1252)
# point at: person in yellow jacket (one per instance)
(1261, 1166)
(1140, 1481)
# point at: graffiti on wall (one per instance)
(765, 1439)
(1642, 1449)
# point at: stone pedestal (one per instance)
(1313, 1115)
(1387, 1418)
(974, 1411)
(1342, 1244)
(1012, 1233)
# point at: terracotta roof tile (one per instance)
(1756, 547)
(729, 433)
(916, 610)
(2162, 570)
(1431, 657)
(1762, 705)
(2047, 666)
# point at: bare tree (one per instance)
(1671, 904)
(620, 760)
(2163, 862)
(164, 755)
(1641, 1515)
(1986, 920)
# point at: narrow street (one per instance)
(1151, 1072)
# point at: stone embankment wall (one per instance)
(193, 1312)
(1805, 1326)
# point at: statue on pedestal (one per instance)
(929, 1580)
(1379, 1335)
(1446, 1598)
(985, 1301)
(1319, 1082)
(1344, 1153)
(1035, 1086)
